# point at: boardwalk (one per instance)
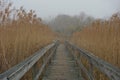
(62, 66)
(66, 64)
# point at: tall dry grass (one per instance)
(102, 38)
(21, 34)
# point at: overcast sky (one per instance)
(47, 8)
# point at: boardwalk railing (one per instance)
(109, 70)
(18, 71)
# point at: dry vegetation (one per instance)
(21, 34)
(102, 38)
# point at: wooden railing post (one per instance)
(34, 71)
(79, 58)
(91, 69)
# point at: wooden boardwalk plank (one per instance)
(62, 66)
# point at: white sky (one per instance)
(47, 8)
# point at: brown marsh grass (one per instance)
(102, 38)
(21, 34)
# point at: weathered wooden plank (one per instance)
(62, 67)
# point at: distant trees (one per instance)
(68, 24)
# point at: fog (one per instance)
(50, 8)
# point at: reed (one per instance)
(102, 38)
(21, 34)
